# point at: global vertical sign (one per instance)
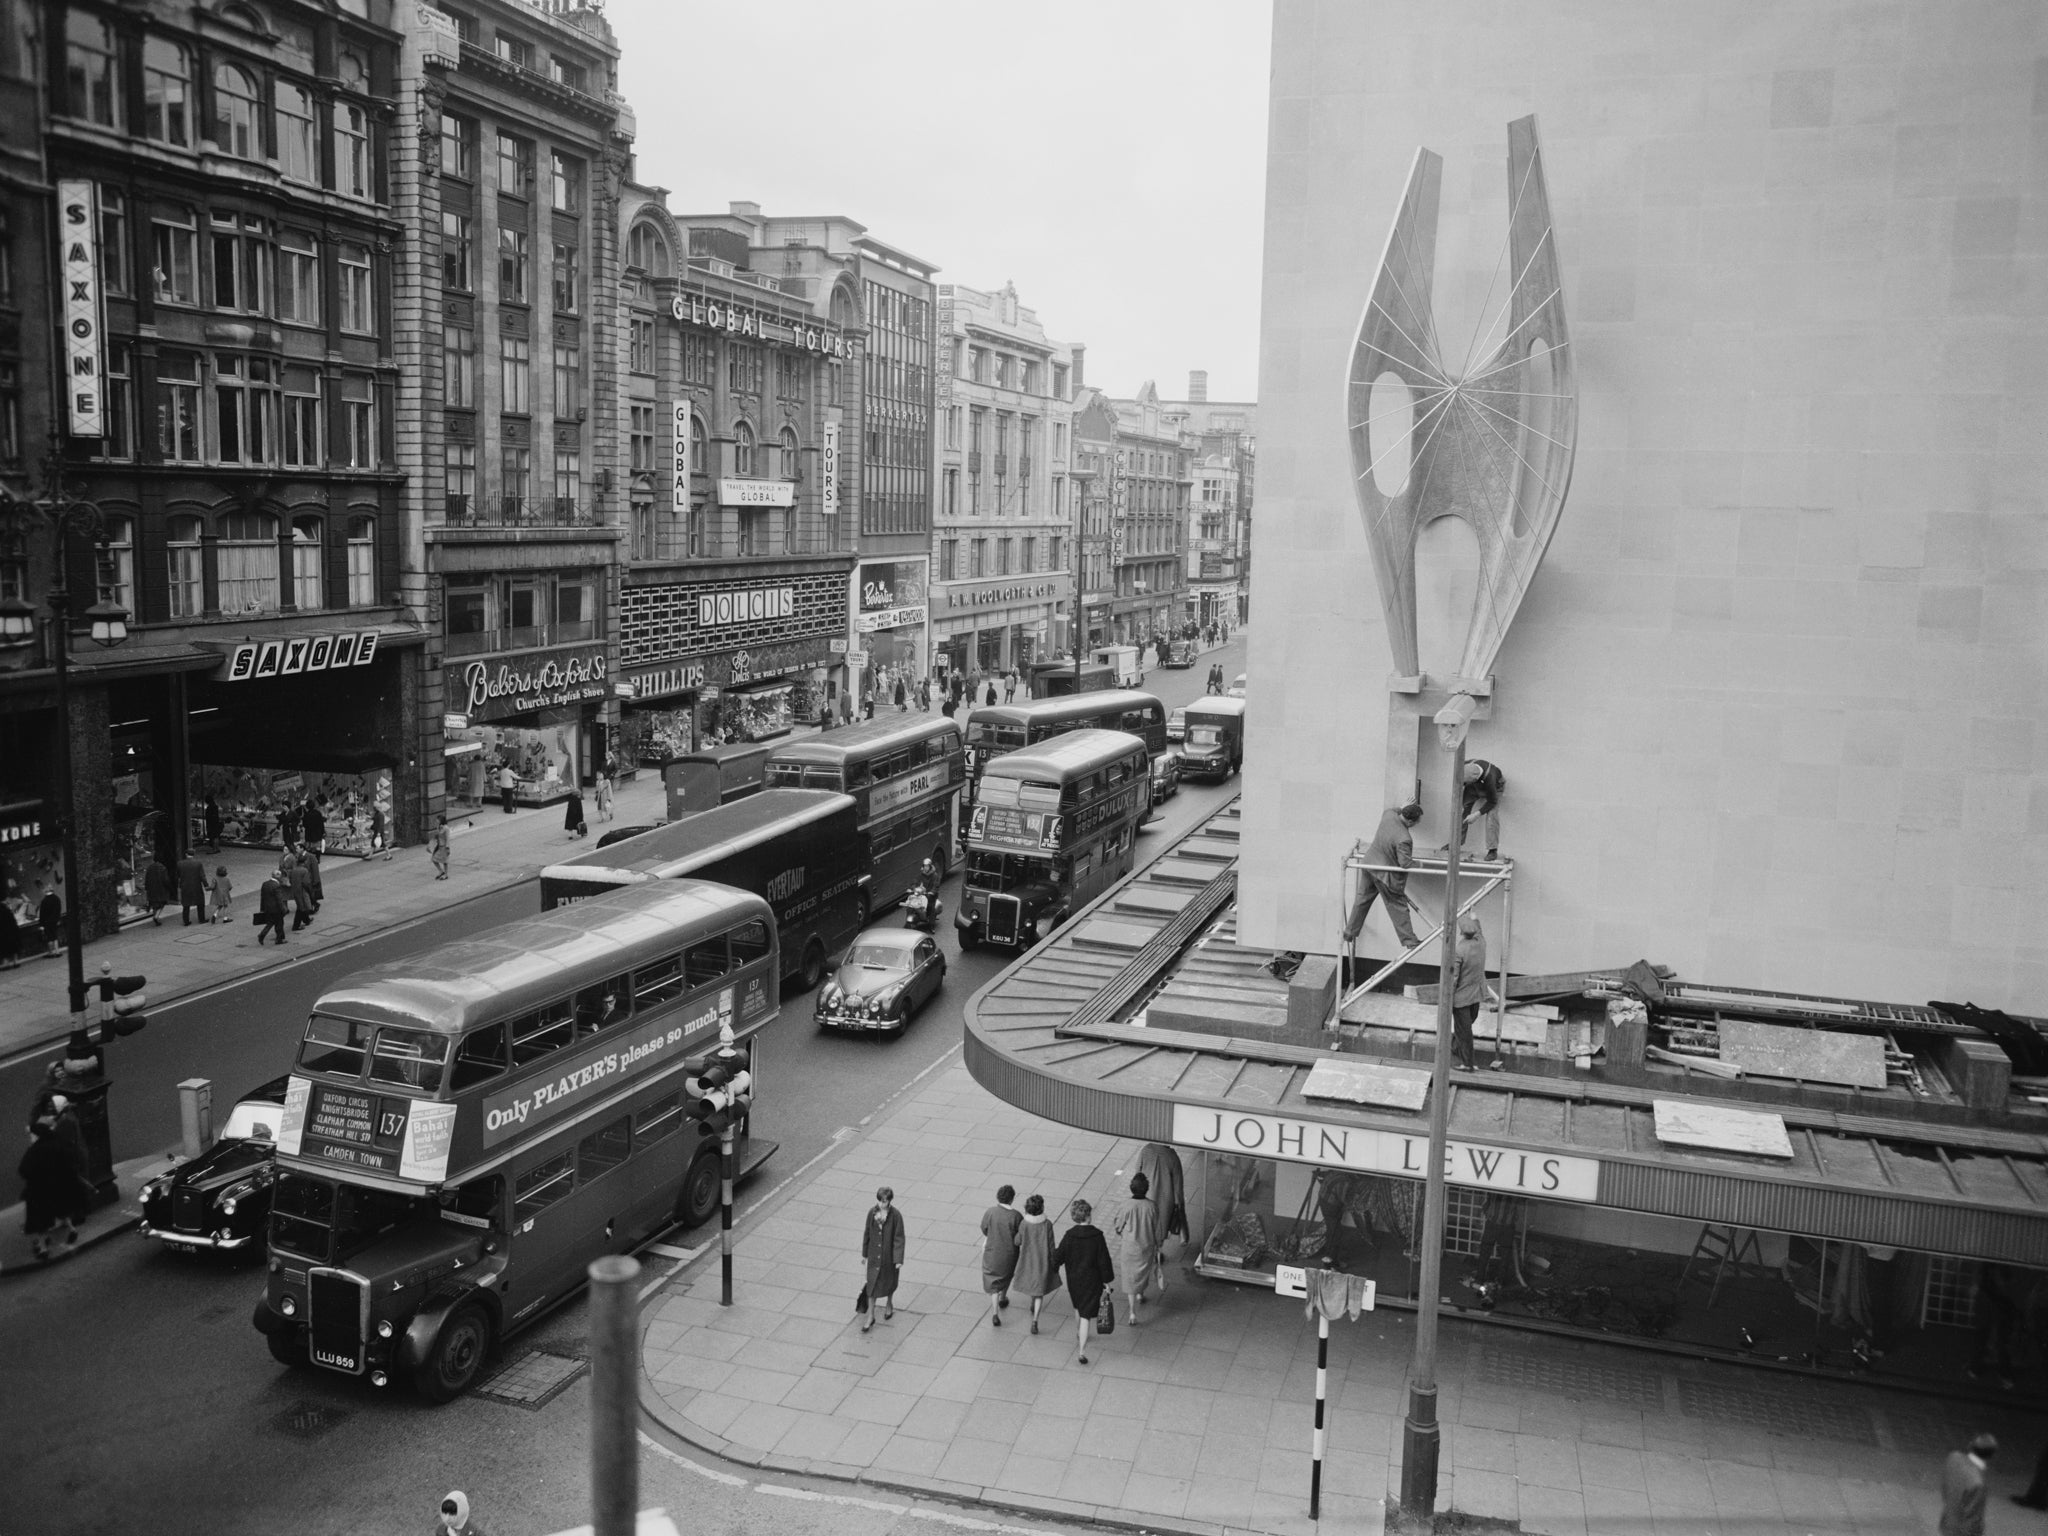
(679, 495)
(79, 267)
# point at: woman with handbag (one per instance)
(1138, 1241)
(881, 1245)
(1084, 1256)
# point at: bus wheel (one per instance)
(287, 1346)
(699, 1199)
(969, 939)
(813, 969)
(457, 1356)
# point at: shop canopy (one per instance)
(1058, 1034)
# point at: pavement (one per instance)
(1200, 1420)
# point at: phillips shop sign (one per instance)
(492, 687)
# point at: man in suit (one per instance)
(1962, 1488)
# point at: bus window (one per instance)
(334, 1046)
(543, 1030)
(479, 1058)
(604, 1149)
(783, 775)
(603, 1005)
(301, 1212)
(749, 943)
(1037, 797)
(657, 1120)
(704, 962)
(541, 1186)
(659, 982)
(411, 1058)
(858, 776)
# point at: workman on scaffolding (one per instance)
(1481, 806)
(1393, 848)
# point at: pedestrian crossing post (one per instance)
(1315, 1476)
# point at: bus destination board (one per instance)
(1002, 826)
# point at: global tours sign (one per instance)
(745, 321)
(1401, 1154)
(492, 687)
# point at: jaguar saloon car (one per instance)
(221, 1199)
(888, 974)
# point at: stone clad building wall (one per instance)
(1773, 710)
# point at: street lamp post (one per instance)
(65, 515)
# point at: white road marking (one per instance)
(712, 1473)
(812, 1496)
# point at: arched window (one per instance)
(362, 562)
(235, 108)
(308, 567)
(188, 586)
(742, 449)
(646, 250)
(789, 453)
(166, 92)
(248, 563)
(296, 156)
(700, 451)
(117, 564)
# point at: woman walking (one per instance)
(1137, 1254)
(881, 1244)
(215, 824)
(604, 793)
(437, 850)
(1084, 1255)
(156, 889)
(1036, 1274)
(572, 815)
(54, 1191)
(50, 918)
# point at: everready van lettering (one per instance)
(583, 1078)
(1388, 1152)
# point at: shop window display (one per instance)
(253, 804)
(653, 738)
(27, 875)
(753, 714)
(544, 759)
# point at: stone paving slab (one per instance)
(1201, 1418)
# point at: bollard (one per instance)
(195, 1114)
(614, 1400)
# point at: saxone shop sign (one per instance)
(492, 687)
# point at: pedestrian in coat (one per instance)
(10, 937)
(572, 814)
(1393, 847)
(191, 888)
(50, 918)
(999, 1224)
(300, 884)
(1137, 1245)
(991, 692)
(54, 1192)
(1036, 1274)
(309, 861)
(456, 1520)
(291, 825)
(223, 893)
(380, 833)
(1009, 687)
(1962, 1488)
(604, 795)
(313, 826)
(867, 703)
(1084, 1256)
(215, 824)
(1161, 1166)
(437, 850)
(156, 889)
(902, 696)
(507, 782)
(270, 907)
(881, 1245)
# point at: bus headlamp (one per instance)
(384, 1329)
(288, 1307)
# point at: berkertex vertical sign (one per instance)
(679, 496)
(79, 263)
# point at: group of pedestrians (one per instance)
(295, 887)
(20, 933)
(56, 1189)
(1021, 1253)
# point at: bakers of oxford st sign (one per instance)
(495, 686)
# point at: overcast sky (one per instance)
(1108, 156)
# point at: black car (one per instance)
(887, 975)
(221, 1199)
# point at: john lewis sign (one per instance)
(1396, 1153)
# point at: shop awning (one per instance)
(1043, 1036)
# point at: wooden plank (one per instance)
(1806, 1055)
(1367, 1082)
(1557, 984)
(1722, 1129)
(1384, 1010)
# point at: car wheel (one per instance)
(902, 1021)
(458, 1355)
(287, 1346)
(698, 1201)
(813, 969)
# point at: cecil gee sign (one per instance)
(1397, 1153)
(492, 687)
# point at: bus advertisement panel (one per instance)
(800, 850)
(466, 1129)
(1056, 826)
(905, 776)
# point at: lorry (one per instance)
(1214, 746)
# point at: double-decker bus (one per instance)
(994, 729)
(904, 774)
(465, 1130)
(800, 850)
(1054, 828)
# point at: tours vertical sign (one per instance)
(831, 469)
(679, 494)
(78, 262)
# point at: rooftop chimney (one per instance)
(1080, 352)
(745, 210)
(1198, 385)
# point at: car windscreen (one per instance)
(1204, 736)
(881, 955)
(253, 1119)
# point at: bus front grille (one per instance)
(1005, 920)
(336, 1306)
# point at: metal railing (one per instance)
(519, 512)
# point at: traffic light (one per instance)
(717, 1087)
(121, 1003)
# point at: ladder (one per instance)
(1726, 1248)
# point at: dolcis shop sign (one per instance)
(492, 687)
